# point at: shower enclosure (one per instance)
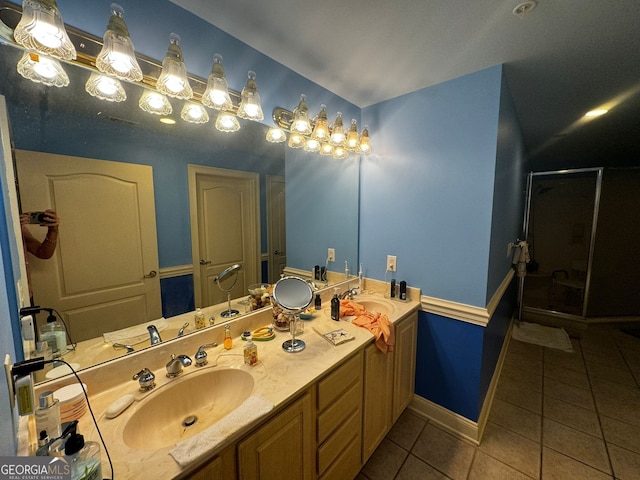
(560, 225)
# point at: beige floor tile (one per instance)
(385, 462)
(516, 419)
(572, 361)
(610, 359)
(556, 466)
(443, 451)
(568, 393)
(486, 467)
(530, 363)
(521, 396)
(525, 378)
(621, 434)
(406, 430)
(618, 409)
(416, 469)
(572, 416)
(565, 375)
(575, 444)
(617, 375)
(511, 449)
(627, 393)
(527, 349)
(626, 464)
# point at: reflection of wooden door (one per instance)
(225, 229)
(98, 278)
(277, 232)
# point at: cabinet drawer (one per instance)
(336, 414)
(346, 466)
(336, 383)
(346, 435)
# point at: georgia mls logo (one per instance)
(34, 468)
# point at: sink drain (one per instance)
(190, 420)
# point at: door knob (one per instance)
(205, 262)
(151, 274)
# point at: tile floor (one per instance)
(555, 415)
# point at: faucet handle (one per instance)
(201, 355)
(146, 379)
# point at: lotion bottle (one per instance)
(250, 350)
(48, 415)
(335, 306)
(85, 457)
(228, 342)
(199, 319)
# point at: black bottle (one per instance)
(335, 306)
(318, 303)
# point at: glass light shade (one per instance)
(117, 57)
(326, 149)
(105, 88)
(365, 146)
(340, 152)
(250, 107)
(226, 122)
(352, 143)
(300, 123)
(276, 135)
(194, 113)
(321, 129)
(41, 28)
(216, 94)
(42, 69)
(296, 140)
(173, 79)
(337, 132)
(312, 145)
(155, 103)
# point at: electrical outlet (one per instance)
(331, 255)
(391, 263)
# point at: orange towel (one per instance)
(378, 324)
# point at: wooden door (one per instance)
(103, 275)
(276, 225)
(225, 229)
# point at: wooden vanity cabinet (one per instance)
(404, 368)
(222, 467)
(281, 448)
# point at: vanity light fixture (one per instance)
(173, 79)
(326, 149)
(276, 135)
(337, 132)
(296, 140)
(312, 145)
(598, 112)
(42, 69)
(250, 107)
(365, 146)
(41, 29)
(117, 57)
(216, 94)
(352, 143)
(105, 87)
(227, 122)
(301, 124)
(321, 128)
(155, 103)
(194, 113)
(340, 152)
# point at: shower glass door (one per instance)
(560, 226)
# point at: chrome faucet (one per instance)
(146, 379)
(181, 331)
(122, 345)
(174, 367)
(349, 293)
(154, 335)
(201, 355)
(313, 285)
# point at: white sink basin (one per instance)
(185, 407)
(377, 306)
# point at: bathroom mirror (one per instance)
(293, 295)
(70, 122)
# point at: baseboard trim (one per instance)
(450, 421)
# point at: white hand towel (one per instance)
(135, 334)
(191, 449)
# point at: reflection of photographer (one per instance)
(45, 248)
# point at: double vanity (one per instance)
(329, 406)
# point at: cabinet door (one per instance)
(282, 448)
(404, 363)
(378, 392)
(222, 467)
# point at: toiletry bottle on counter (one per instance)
(85, 457)
(228, 343)
(335, 305)
(199, 319)
(48, 415)
(55, 335)
(346, 270)
(318, 302)
(250, 350)
(403, 290)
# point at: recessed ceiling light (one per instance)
(596, 113)
(168, 121)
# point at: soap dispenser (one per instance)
(199, 319)
(85, 457)
(335, 305)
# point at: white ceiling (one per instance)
(562, 59)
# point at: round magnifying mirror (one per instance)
(226, 280)
(293, 294)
